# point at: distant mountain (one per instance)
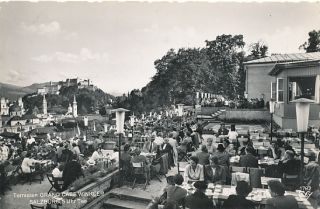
(34, 87)
(13, 92)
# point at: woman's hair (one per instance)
(204, 148)
(243, 188)
(195, 159)
(226, 141)
(276, 187)
(233, 127)
(220, 147)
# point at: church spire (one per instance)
(74, 107)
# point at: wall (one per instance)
(246, 114)
(258, 81)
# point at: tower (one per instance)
(4, 109)
(20, 103)
(69, 108)
(44, 105)
(74, 107)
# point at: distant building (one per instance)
(15, 110)
(17, 121)
(4, 108)
(51, 88)
(259, 84)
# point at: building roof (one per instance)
(281, 58)
(16, 118)
(29, 117)
(290, 65)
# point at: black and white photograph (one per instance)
(160, 104)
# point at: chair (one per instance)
(234, 169)
(290, 181)
(56, 183)
(255, 176)
(29, 177)
(138, 171)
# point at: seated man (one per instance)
(150, 146)
(239, 200)
(199, 200)
(194, 171)
(278, 199)
(249, 160)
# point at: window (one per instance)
(273, 90)
(301, 87)
(280, 89)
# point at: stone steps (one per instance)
(127, 198)
(116, 203)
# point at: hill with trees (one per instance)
(88, 101)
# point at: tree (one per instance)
(313, 44)
(258, 50)
(226, 57)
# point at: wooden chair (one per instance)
(56, 183)
(139, 170)
(234, 169)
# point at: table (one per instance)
(219, 193)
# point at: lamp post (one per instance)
(271, 108)
(120, 116)
(85, 121)
(302, 113)
(132, 117)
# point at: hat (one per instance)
(200, 185)
(91, 162)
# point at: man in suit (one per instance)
(150, 146)
(249, 160)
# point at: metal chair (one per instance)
(56, 183)
(138, 171)
(238, 169)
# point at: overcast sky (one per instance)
(116, 44)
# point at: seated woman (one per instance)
(239, 200)
(278, 199)
(28, 163)
(194, 171)
(214, 172)
(97, 155)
